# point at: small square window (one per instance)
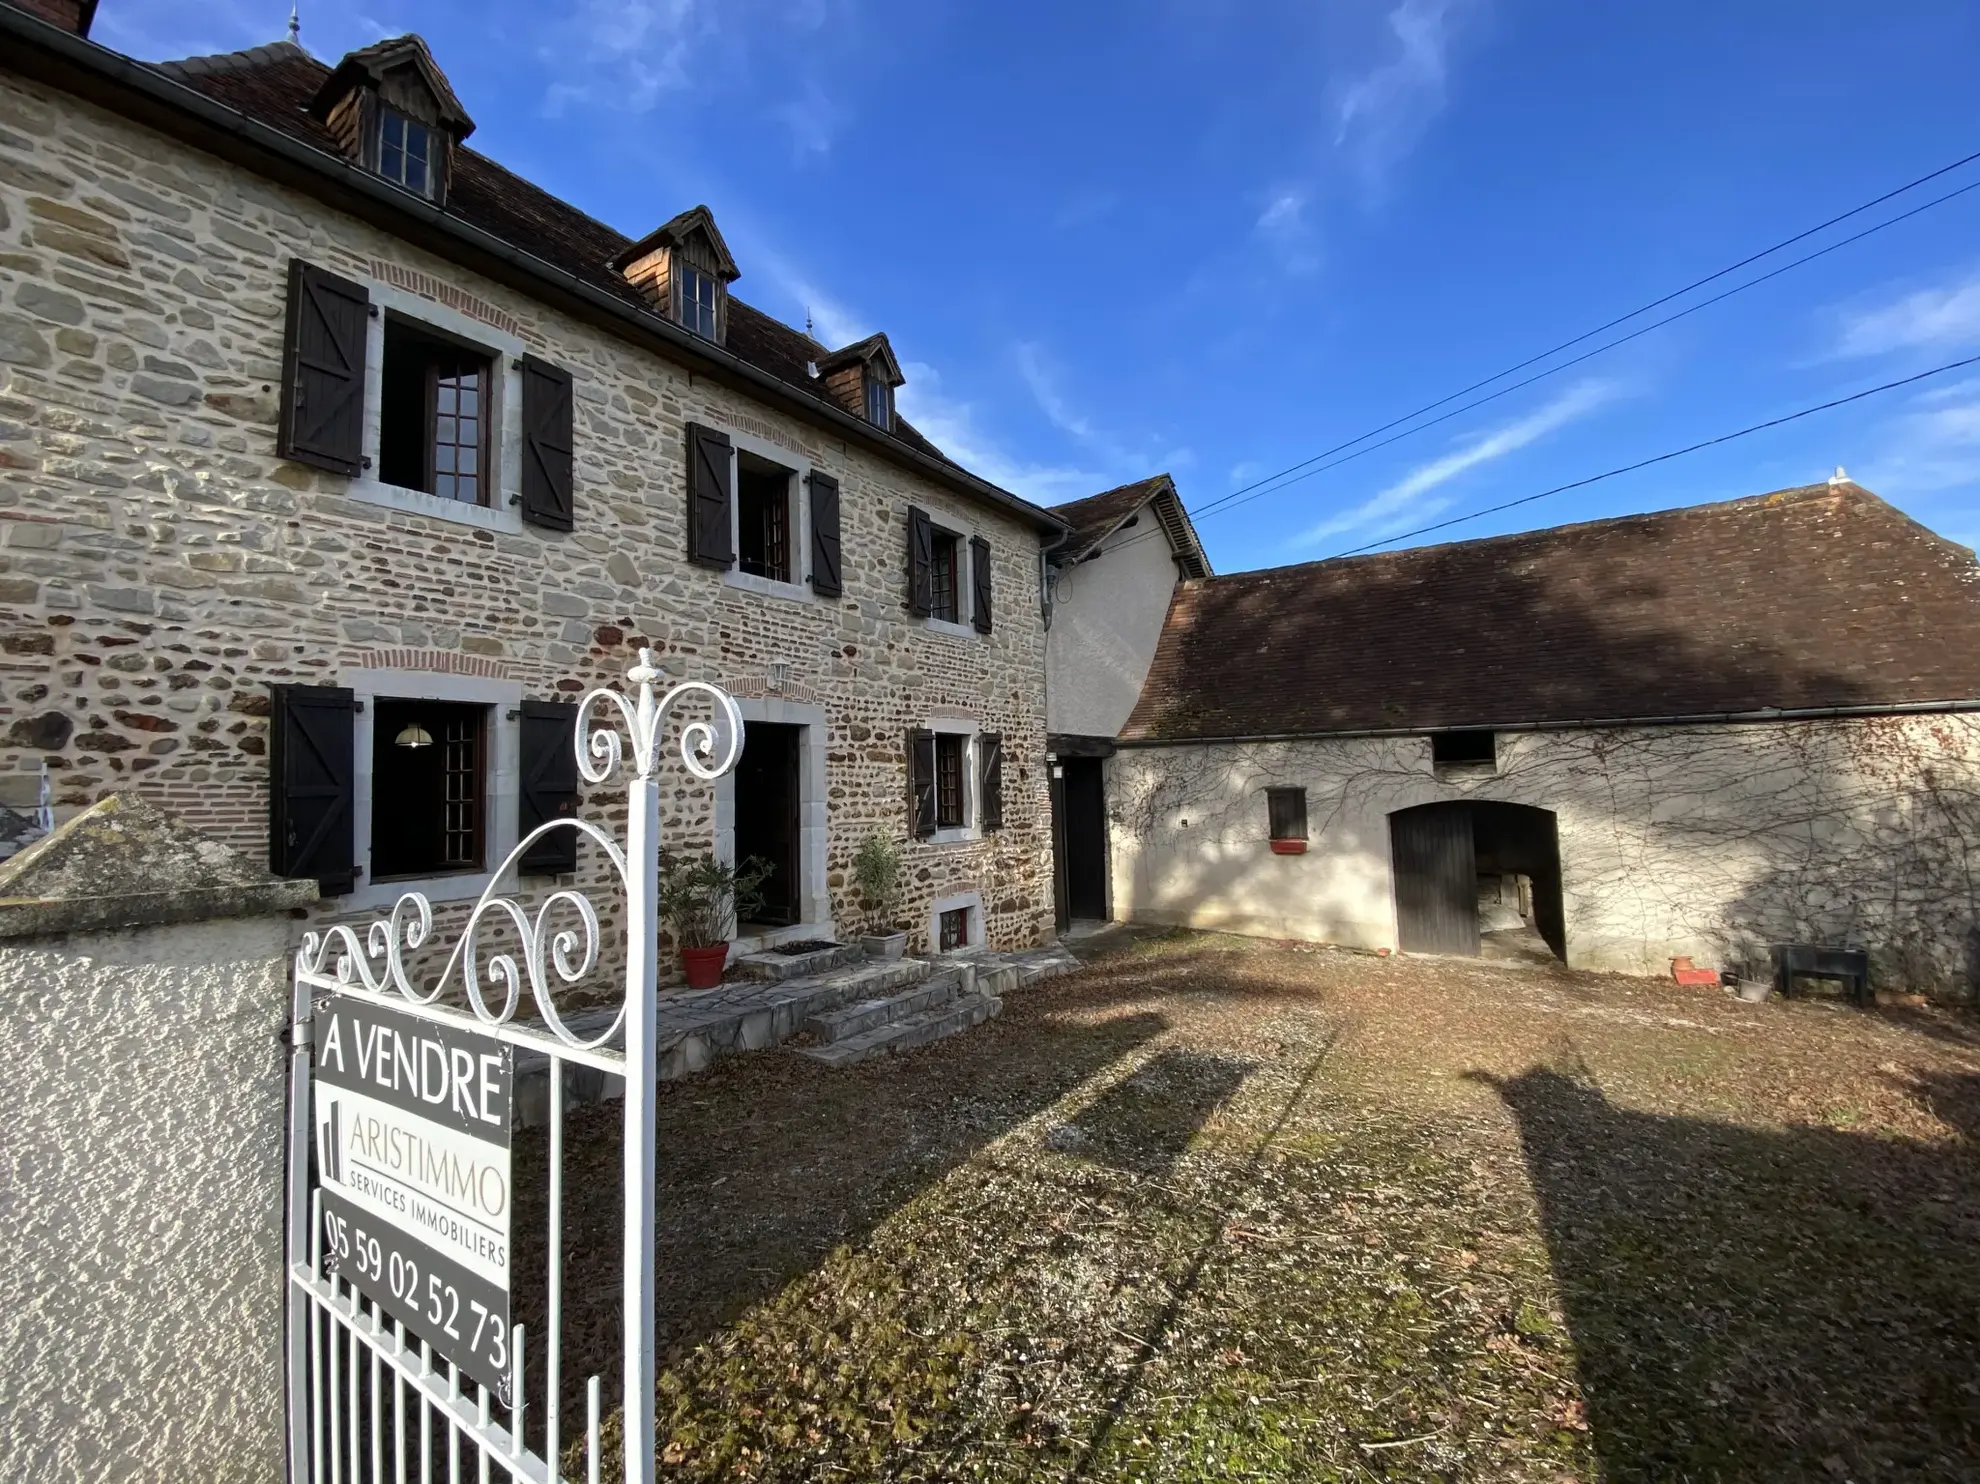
(879, 402)
(945, 577)
(763, 517)
(405, 153)
(1468, 748)
(434, 415)
(428, 788)
(948, 781)
(699, 302)
(1286, 810)
(955, 929)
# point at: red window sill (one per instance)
(1289, 847)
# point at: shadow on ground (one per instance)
(1763, 1304)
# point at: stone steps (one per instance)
(775, 964)
(864, 1015)
(918, 1029)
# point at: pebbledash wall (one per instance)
(161, 567)
(1704, 840)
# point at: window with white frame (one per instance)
(405, 152)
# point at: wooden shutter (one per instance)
(547, 445)
(825, 535)
(979, 576)
(1286, 808)
(921, 563)
(710, 475)
(549, 785)
(323, 371)
(921, 782)
(311, 773)
(990, 771)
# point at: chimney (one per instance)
(73, 16)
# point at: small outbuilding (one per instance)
(1696, 732)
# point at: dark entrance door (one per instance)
(767, 815)
(1083, 813)
(1436, 875)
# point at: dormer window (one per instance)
(405, 152)
(879, 402)
(700, 301)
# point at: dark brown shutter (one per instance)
(547, 445)
(311, 772)
(921, 782)
(1286, 809)
(323, 370)
(549, 785)
(921, 563)
(709, 479)
(825, 535)
(979, 576)
(990, 765)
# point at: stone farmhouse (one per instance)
(338, 460)
(1696, 732)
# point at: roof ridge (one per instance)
(1782, 496)
(237, 61)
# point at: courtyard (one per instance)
(1217, 1208)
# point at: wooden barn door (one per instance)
(1436, 874)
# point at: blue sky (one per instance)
(1217, 238)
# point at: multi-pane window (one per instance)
(948, 780)
(434, 415)
(698, 300)
(763, 517)
(955, 929)
(945, 577)
(879, 402)
(405, 153)
(429, 791)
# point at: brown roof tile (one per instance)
(1810, 598)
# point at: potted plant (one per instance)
(702, 899)
(877, 871)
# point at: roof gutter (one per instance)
(1699, 718)
(134, 91)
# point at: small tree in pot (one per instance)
(702, 899)
(877, 870)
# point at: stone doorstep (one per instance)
(863, 1015)
(915, 1030)
(774, 965)
(697, 1026)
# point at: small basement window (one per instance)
(429, 788)
(405, 153)
(948, 780)
(763, 517)
(945, 576)
(1464, 749)
(700, 304)
(955, 929)
(434, 414)
(1286, 810)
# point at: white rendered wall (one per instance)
(1711, 841)
(141, 1203)
(1106, 618)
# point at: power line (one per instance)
(1662, 458)
(1271, 483)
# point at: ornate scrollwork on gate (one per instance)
(558, 944)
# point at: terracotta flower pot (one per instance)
(1289, 847)
(704, 965)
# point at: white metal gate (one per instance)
(367, 1400)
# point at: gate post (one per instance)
(642, 1068)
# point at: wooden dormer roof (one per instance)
(874, 351)
(677, 230)
(371, 66)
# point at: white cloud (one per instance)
(628, 52)
(1380, 114)
(1284, 227)
(1941, 318)
(813, 119)
(952, 426)
(1933, 446)
(1411, 498)
(1045, 392)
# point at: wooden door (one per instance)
(1436, 876)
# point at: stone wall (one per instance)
(161, 567)
(1710, 841)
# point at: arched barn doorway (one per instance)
(1477, 877)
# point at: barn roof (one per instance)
(1816, 598)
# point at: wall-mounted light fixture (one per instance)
(412, 734)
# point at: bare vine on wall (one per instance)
(1864, 831)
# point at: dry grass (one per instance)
(1217, 1209)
